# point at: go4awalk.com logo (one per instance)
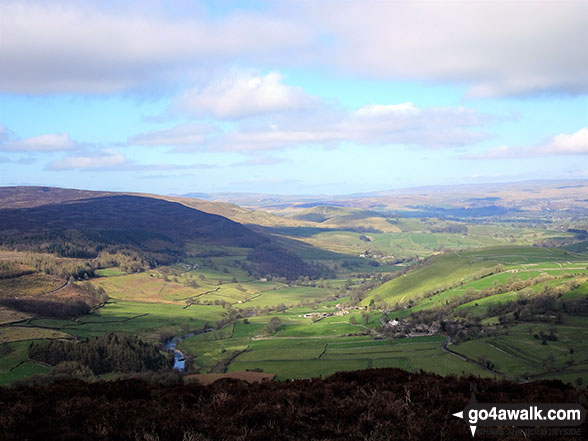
(521, 414)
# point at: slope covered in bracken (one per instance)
(379, 404)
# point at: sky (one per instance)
(291, 97)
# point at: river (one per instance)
(179, 357)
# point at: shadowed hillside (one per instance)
(27, 197)
(375, 405)
(112, 213)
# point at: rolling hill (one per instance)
(534, 198)
(28, 197)
(129, 213)
(327, 216)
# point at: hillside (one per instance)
(28, 197)
(235, 213)
(442, 272)
(535, 198)
(379, 405)
(326, 216)
(124, 213)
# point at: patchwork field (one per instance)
(521, 354)
(149, 320)
(15, 365)
(30, 285)
(454, 273)
(303, 358)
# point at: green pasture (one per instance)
(288, 296)
(581, 292)
(519, 353)
(303, 357)
(16, 365)
(458, 267)
(144, 319)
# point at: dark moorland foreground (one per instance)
(378, 404)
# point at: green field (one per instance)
(16, 364)
(519, 354)
(145, 319)
(304, 358)
(453, 273)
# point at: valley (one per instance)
(486, 297)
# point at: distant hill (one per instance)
(26, 197)
(128, 213)
(64, 223)
(346, 218)
(236, 213)
(538, 196)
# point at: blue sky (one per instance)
(291, 97)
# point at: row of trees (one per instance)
(107, 353)
(60, 267)
(79, 269)
(269, 260)
(49, 308)
(10, 270)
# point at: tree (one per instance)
(274, 324)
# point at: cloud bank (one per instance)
(559, 145)
(243, 93)
(495, 48)
(405, 124)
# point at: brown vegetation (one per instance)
(248, 376)
(379, 404)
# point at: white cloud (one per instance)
(574, 144)
(496, 48)
(558, 145)
(243, 93)
(271, 137)
(370, 125)
(256, 161)
(43, 143)
(109, 160)
(184, 136)
(387, 109)
(89, 47)
(101, 160)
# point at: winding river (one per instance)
(179, 357)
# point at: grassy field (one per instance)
(304, 358)
(210, 286)
(145, 319)
(408, 237)
(520, 354)
(29, 285)
(10, 316)
(19, 333)
(457, 269)
(16, 365)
